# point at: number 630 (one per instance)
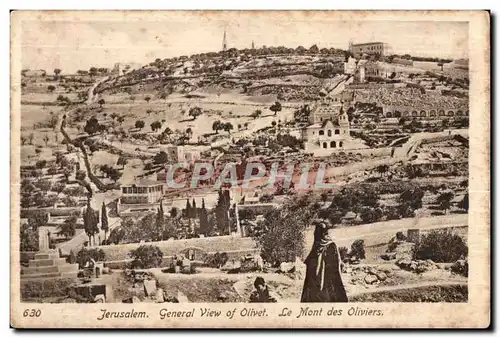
(32, 313)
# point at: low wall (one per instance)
(64, 211)
(438, 139)
(173, 247)
(321, 152)
(167, 260)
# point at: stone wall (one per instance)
(173, 247)
(167, 260)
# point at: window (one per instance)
(333, 144)
(321, 132)
(325, 145)
(124, 190)
(329, 133)
(341, 144)
(337, 132)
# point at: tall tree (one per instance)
(194, 210)
(222, 211)
(90, 222)
(188, 209)
(159, 222)
(104, 220)
(204, 224)
(174, 212)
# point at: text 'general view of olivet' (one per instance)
(329, 167)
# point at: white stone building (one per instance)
(330, 127)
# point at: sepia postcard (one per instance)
(250, 169)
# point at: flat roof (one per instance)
(367, 43)
(143, 183)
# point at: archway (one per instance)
(325, 145)
(441, 113)
(389, 114)
(451, 113)
(333, 144)
(414, 113)
(433, 113)
(423, 113)
(406, 114)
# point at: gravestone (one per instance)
(43, 239)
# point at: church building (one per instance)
(330, 127)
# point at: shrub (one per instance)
(370, 215)
(85, 255)
(216, 260)
(461, 267)
(392, 213)
(343, 252)
(400, 236)
(441, 246)
(149, 255)
(358, 249)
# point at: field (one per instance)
(31, 114)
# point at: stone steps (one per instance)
(40, 256)
(47, 262)
(50, 269)
(48, 265)
(50, 275)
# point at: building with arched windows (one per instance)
(426, 111)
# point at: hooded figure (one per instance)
(323, 282)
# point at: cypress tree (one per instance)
(104, 221)
(194, 212)
(160, 220)
(188, 209)
(204, 224)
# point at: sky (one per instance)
(101, 42)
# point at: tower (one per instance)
(344, 120)
(224, 42)
(253, 45)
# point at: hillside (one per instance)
(290, 77)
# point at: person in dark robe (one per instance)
(262, 294)
(323, 282)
